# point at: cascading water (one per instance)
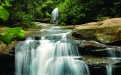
(55, 15)
(113, 55)
(109, 69)
(51, 55)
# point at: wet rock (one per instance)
(43, 20)
(100, 66)
(96, 70)
(108, 52)
(7, 49)
(115, 43)
(106, 31)
(7, 58)
(86, 47)
(99, 50)
(7, 64)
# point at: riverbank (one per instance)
(7, 52)
(7, 49)
(94, 54)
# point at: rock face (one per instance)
(7, 59)
(99, 43)
(106, 31)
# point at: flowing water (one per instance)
(114, 55)
(109, 69)
(55, 15)
(52, 54)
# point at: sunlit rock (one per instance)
(107, 31)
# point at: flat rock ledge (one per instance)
(105, 32)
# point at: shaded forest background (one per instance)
(23, 12)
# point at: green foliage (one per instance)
(17, 31)
(43, 9)
(3, 14)
(81, 11)
(70, 11)
(11, 33)
(21, 34)
(5, 3)
(21, 19)
(37, 8)
(6, 38)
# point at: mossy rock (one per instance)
(108, 32)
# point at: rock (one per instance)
(106, 31)
(93, 48)
(7, 58)
(7, 49)
(43, 20)
(7, 64)
(86, 47)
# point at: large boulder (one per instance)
(106, 31)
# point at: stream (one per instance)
(51, 54)
(53, 51)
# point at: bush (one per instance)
(9, 34)
(3, 14)
(82, 11)
(70, 11)
(21, 19)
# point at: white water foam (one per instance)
(113, 55)
(109, 69)
(47, 57)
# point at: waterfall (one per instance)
(109, 69)
(113, 55)
(51, 55)
(112, 52)
(55, 15)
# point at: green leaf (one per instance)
(11, 33)
(15, 30)
(21, 34)
(4, 15)
(6, 38)
(7, 28)
(7, 4)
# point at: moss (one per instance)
(101, 34)
(96, 60)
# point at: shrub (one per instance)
(21, 19)
(81, 11)
(9, 34)
(3, 14)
